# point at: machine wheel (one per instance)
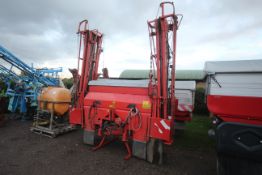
(227, 165)
(221, 165)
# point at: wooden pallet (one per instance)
(52, 133)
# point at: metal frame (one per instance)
(51, 130)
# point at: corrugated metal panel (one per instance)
(237, 84)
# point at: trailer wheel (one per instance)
(227, 165)
(221, 165)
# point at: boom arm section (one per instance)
(27, 80)
(162, 34)
(33, 74)
(90, 48)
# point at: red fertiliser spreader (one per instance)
(138, 112)
(234, 97)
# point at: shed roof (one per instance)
(234, 66)
(180, 74)
(190, 75)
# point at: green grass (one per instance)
(195, 135)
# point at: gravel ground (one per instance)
(24, 153)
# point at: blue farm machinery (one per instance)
(35, 92)
(23, 82)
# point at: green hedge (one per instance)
(200, 105)
(2, 89)
(68, 82)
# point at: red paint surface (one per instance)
(236, 109)
(159, 131)
(75, 116)
(183, 116)
(117, 97)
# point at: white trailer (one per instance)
(185, 94)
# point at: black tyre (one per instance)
(221, 165)
(227, 165)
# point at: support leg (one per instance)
(129, 153)
(150, 150)
(160, 151)
(89, 137)
(139, 149)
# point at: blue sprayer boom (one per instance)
(23, 81)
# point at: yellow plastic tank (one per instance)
(55, 98)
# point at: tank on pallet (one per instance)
(56, 99)
(52, 114)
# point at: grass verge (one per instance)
(195, 135)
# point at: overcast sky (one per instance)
(43, 32)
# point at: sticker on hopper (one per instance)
(146, 104)
(112, 105)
